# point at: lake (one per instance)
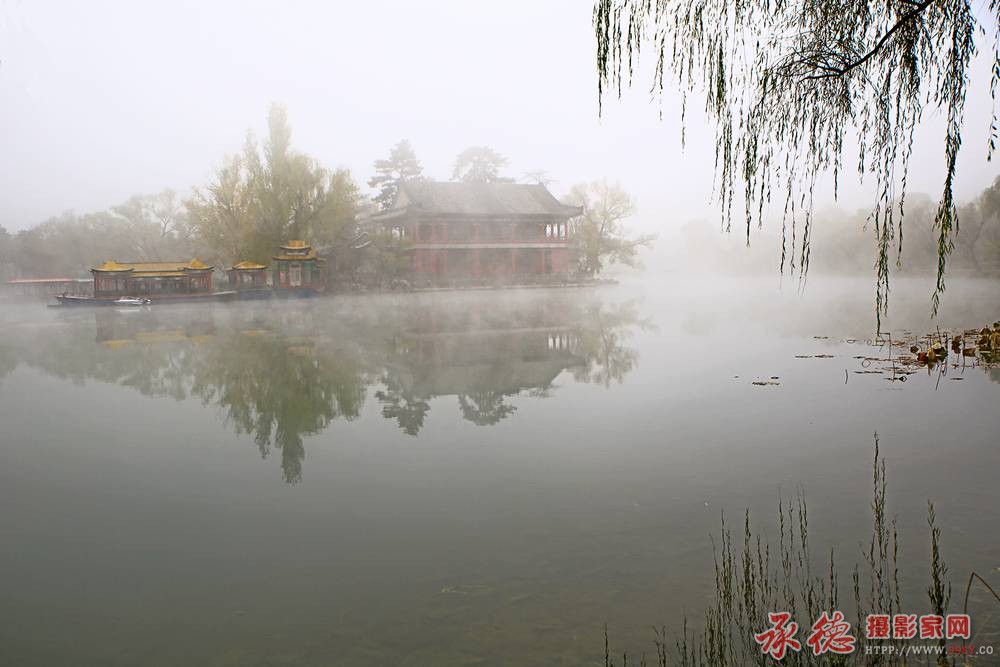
(465, 478)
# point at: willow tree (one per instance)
(785, 85)
(599, 235)
(271, 193)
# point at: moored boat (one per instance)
(72, 300)
(132, 301)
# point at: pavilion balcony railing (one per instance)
(439, 233)
(482, 240)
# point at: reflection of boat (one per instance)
(132, 301)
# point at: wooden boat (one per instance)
(70, 300)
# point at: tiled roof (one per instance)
(112, 265)
(482, 199)
(247, 265)
(153, 268)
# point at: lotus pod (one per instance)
(922, 357)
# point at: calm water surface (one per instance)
(469, 478)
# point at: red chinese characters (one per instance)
(931, 627)
(877, 626)
(958, 625)
(904, 626)
(780, 637)
(908, 626)
(831, 633)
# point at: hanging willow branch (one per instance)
(785, 81)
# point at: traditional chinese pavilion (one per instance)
(297, 267)
(481, 230)
(247, 276)
(114, 279)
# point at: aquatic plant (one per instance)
(751, 581)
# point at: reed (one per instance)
(750, 582)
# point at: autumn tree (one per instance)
(143, 228)
(600, 232)
(270, 193)
(480, 164)
(401, 165)
(151, 227)
(789, 85)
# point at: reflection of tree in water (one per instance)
(8, 360)
(485, 352)
(486, 408)
(151, 355)
(282, 374)
(409, 411)
(278, 392)
(271, 387)
(601, 340)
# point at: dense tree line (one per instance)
(143, 228)
(841, 244)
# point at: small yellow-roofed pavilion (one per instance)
(297, 267)
(247, 275)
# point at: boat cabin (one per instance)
(247, 275)
(297, 267)
(115, 279)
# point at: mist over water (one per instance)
(424, 465)
(465, 477)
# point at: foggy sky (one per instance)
(103, 100)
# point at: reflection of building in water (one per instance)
(136, 326)
(481, 357)
(506, 361)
